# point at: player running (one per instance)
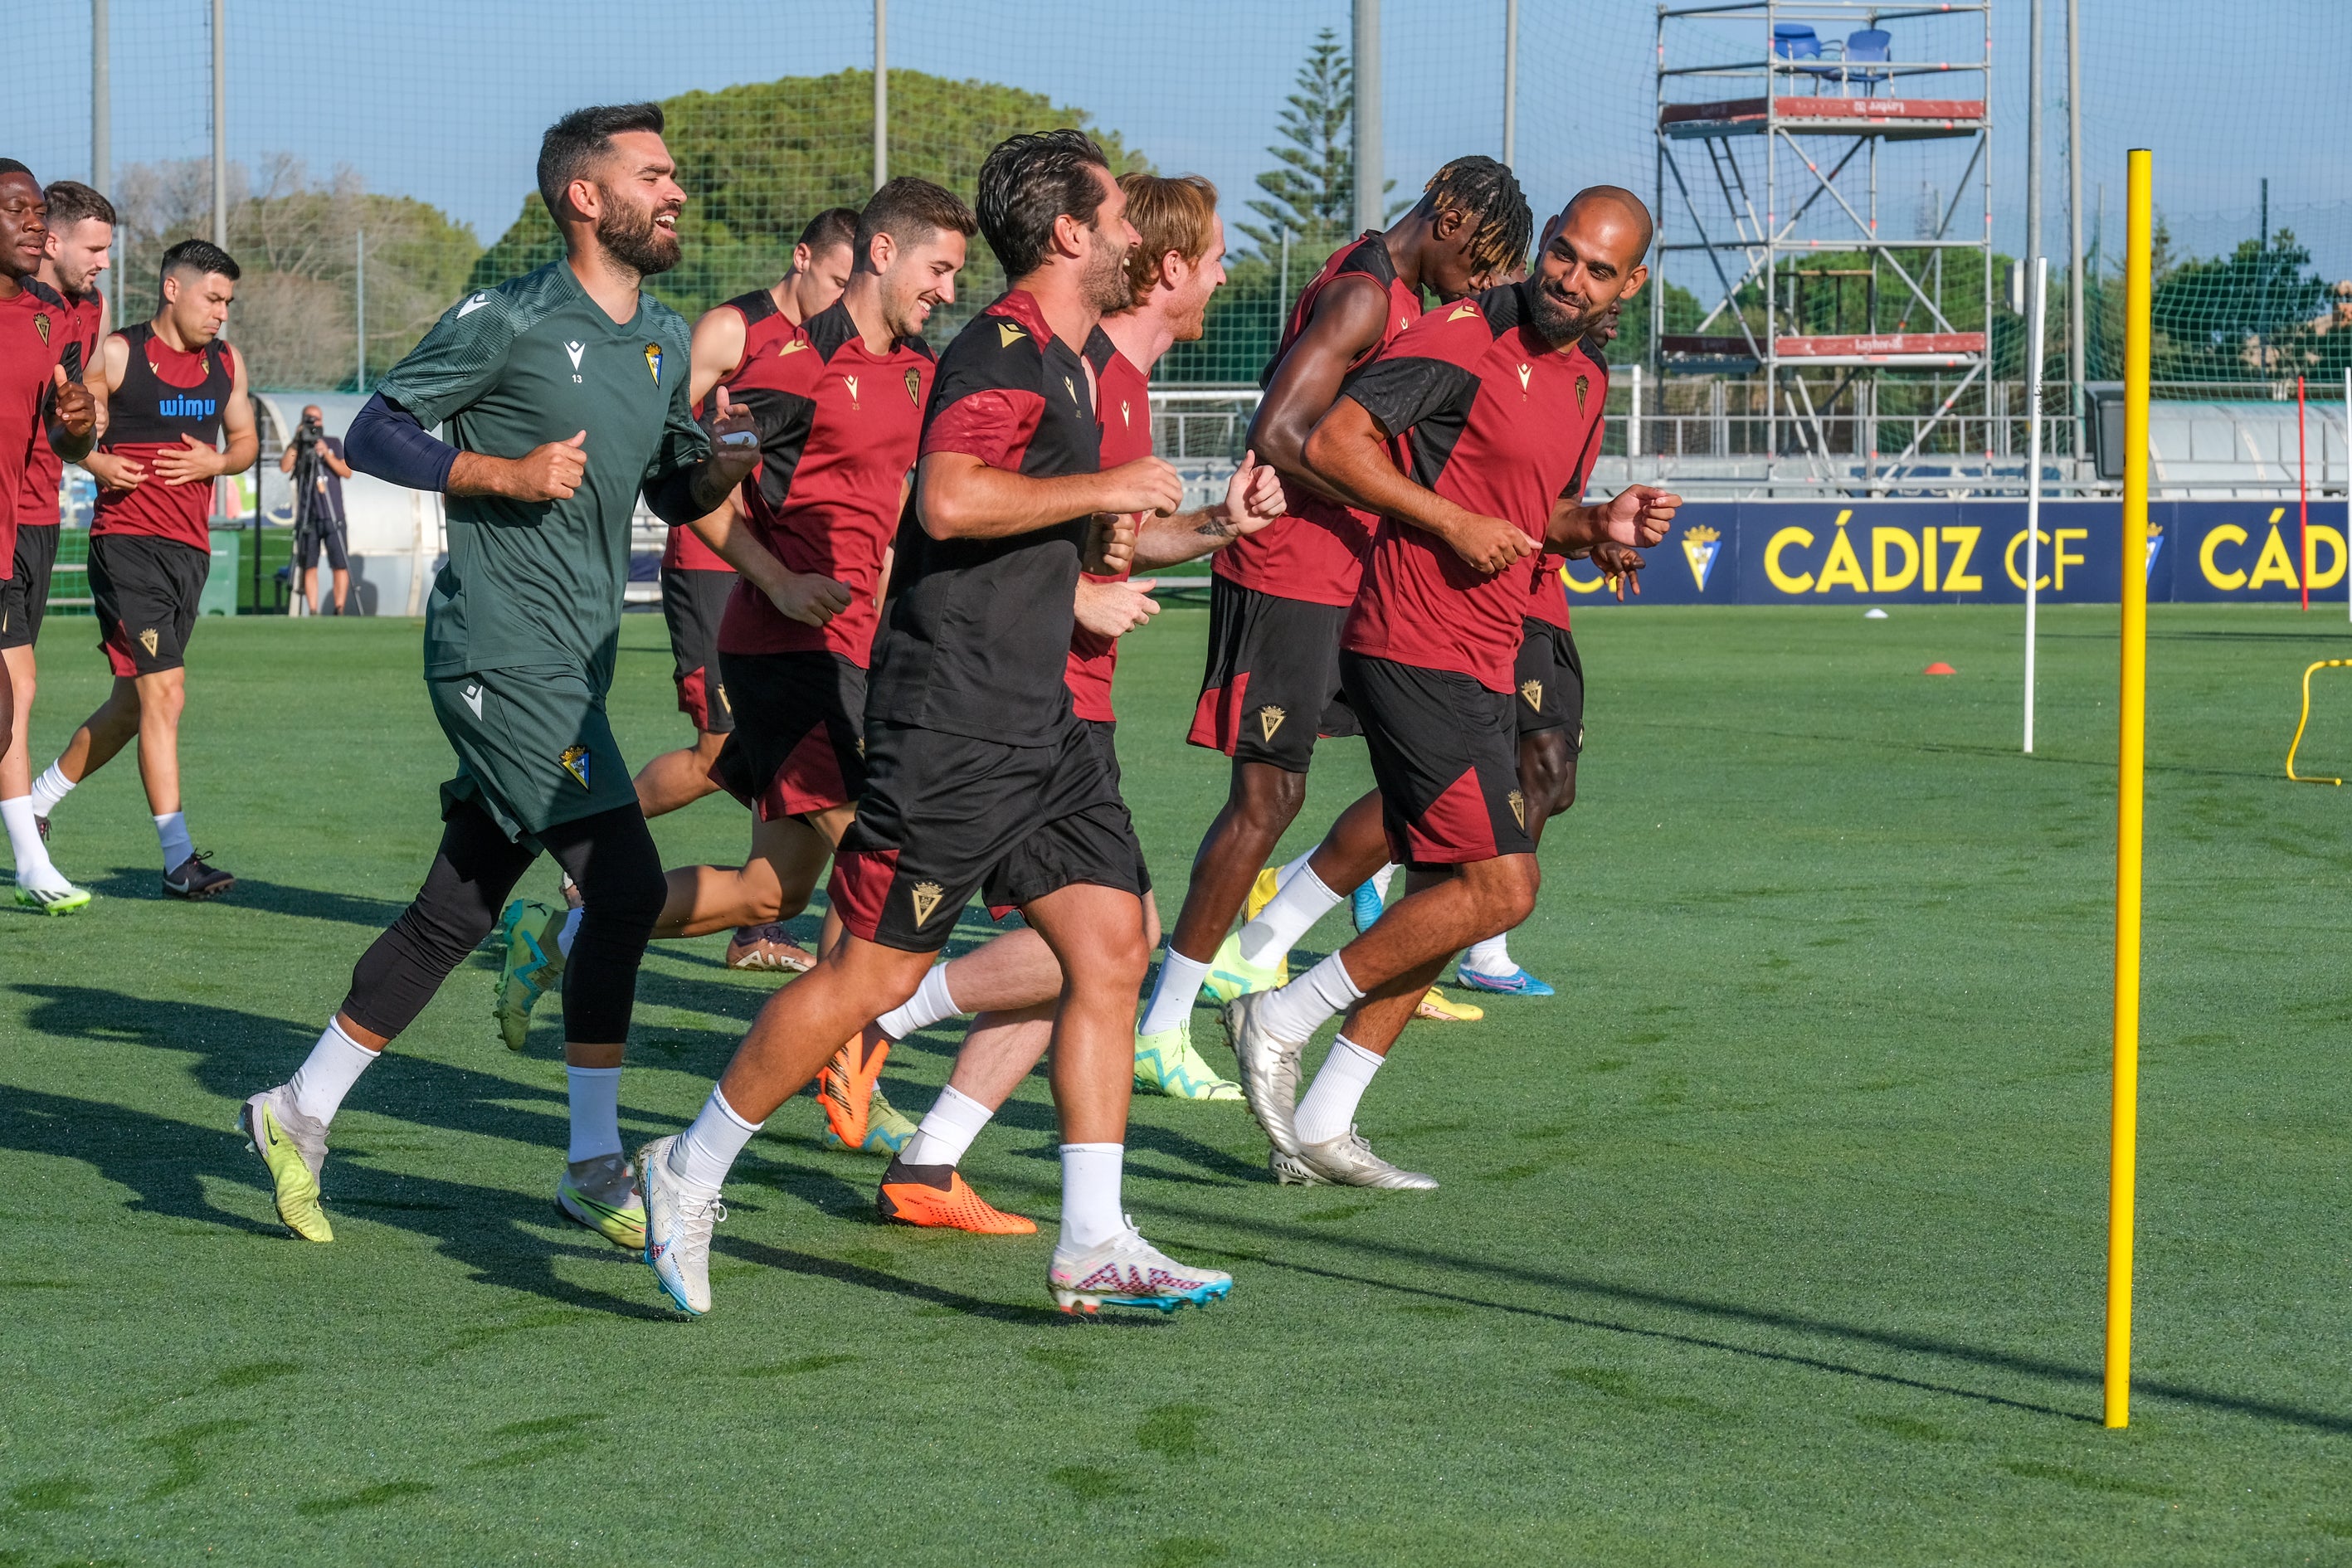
(178, 417)
(979, 776)
(1495, 400)
(1278, 599)
(79, 229)
(566, 393)
(695, 582)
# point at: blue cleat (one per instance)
(1364, 907)
(1518, 982)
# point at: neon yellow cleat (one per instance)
(601, 1194)
(68, 900)
(294, 1147)
(1261, 894)
(1438, 1009)
(1232, 975)
(1166, 1063)
(530, 968)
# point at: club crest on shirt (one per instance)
(575, 762)
(1269, 720)
(1533, 691)
(926, 897)
(1699, 547)
(41, 325)
(851, 382)
(1519, 807)
(148, 640)
(653, 361)
(1525, 371)
(1583, 386)
(915, 387)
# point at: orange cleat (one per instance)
(939, 1196)
(846, 1087)
(767, 947)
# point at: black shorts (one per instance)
(25, 596)
(1104, 733)
(947, 815)
(1551, 679)
(693, 602)
(798, 743)
(1273, 681)
(147, 590)
(1444, 753)
(334, 536)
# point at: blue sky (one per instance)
(445, 100)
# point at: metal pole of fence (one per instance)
(220, 123)
(1511, 79)
(1369, 159)
(881, 94)
(2033, 90)
(1282, 287)
(2303, 493)
(2078, 305)
(359, 303)
(101, 100)
(2036, 336)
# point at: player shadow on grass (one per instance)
(127, 882)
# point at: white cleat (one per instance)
(1270, 1068)
(677, 1228)
(1129, 1271)
(1346, 1161)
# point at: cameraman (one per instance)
(315, 460)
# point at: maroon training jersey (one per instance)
(166, 395)
(765, 330)
(976, 635)
(32, 335)
(1498, 422)
(37, 496)
(838, 429)
(1316, 552)
(1126, 397)
(1549, 599)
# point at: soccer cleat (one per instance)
(41, 826)
(1438, 1009)
(602, 1194)
(767, 947)
(531, 967)
(887, 1131)
(1166, 1063)
(65, 900)
(1346, 1161)
(1518, 982)
(1364, 906)
(678, 1229)
(1269, 1068)
(1261, 893)
(1129, 1271)
(294, 1146)
(1231, 975)
(846, 1087)
(197, 877)
(508, 917)
(939, 1196)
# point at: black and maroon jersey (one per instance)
(1547, 599)
(167, 395)
(976, 636)
(1316, 552)
(1501, 424)
(838, 429)
(32, 335)
(765, 330)
(77, 341)
(1125, 394)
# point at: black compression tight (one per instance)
(610, 855)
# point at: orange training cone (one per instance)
(1940, 667)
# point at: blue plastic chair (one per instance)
(1798, 41)
(1871, 44)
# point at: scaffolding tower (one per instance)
(1856, 100)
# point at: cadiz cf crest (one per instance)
(148, 640)
(1269, 720)
(1518, 808)
(1583, 386)
(927, 897)
(915, 387)
(1533, 691)
(575, 762)
(2155, 543)
(652, 361)
(41, 324)
(1699, 547)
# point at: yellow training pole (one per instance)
(2130, 752)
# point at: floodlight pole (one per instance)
(1511, 79)
(2034, 134)
(2077, 306)
(881, 94)
(2041, 309)
(2130, 785)
(359, 304)
(101, 100)
(220, 123)
(1365, 68)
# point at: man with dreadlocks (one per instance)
(1280, 597)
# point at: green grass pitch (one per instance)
(1777, 1237)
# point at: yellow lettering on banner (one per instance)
(2274, 565)
(2009, 559)
(2228, 534)
(1881, 580)
(1575, 585)
(1958, 578)
(2064, 560)
(1803, 580)
(2326, 576)
(1927, 559)
(1843, 568)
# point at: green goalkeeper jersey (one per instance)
(532, 361)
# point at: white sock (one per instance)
(563, 944)
(1492, 956)
(929, 1004)
(596, 1111)
(1091, 1213)
(1292, 867)
(1173, 992)
(51, 787)
(1329, 1108)
(172, 832)
(704, 1151)
(948, 1126)
(33, 868)
(327, 1074)
(1301, 1007)
(1302, 901)
(1383, 878)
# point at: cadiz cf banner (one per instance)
(1974, 553)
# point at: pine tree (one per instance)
(1312, 194)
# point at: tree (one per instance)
(2250, 315)
(1312, 194)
